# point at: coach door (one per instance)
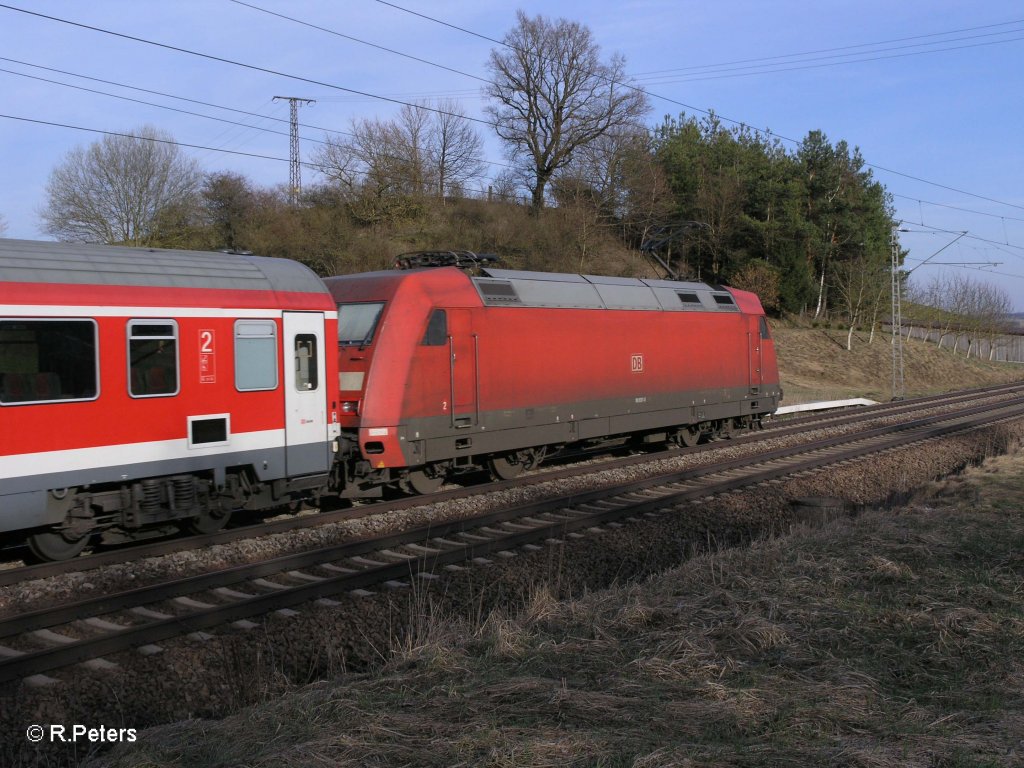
(305, 401)
(462, 346)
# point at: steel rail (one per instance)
(790, 427)
(771, 465)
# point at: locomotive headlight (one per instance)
(350, 407)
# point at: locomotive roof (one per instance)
(31, 261)
(503, 287)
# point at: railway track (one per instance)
(781, 428)
(44, 640)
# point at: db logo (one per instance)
(636, 363)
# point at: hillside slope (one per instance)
(815, 365)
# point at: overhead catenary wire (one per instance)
(740, 123)
(158, 106)
(244, 133)
(165, 95)
(766, 133)
(359, 40)
(969, 236)
(183, 111)
(254, 67)
(232, 62)
(441, 111)
(957, 208)
(186, 145)
(385, 98)
(738, 71)
(121, 134)
(831, 50)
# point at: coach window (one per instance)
(307, 376)
(48, 360)
(255, 355)
(152, 358)
(437, 329)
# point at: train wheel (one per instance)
(689, 437)
(507, 466)
(423, 481)
(48, 546)
(208, 521)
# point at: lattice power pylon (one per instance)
(295, 167)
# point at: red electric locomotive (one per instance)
(440, 371)
(149, 388)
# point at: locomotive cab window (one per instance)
(48, 360)
(152, 358)
(357, 322)
(307, 377)
(255, 355)
(437, 329)
(765, 333)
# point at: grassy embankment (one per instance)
(815, 365)
(892, 639)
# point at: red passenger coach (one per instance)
(441, 371)
(146, 388)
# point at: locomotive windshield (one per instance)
(357, 322)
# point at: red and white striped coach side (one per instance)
(143, 388)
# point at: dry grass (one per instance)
(815, 365)
(884, 640)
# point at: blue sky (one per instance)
(931, 92)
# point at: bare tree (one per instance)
(647, 203)
(607, 171)
(940, 304)
(610, 183)
(341, 161)
(506, 188)
(117, 189)
(424, 149)
(998, 311)
(456, 150)
(719, 205)
(966, 310)
(859, 284)
(408, 143)
(553, 94)
(988, 308)
(377, 160)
